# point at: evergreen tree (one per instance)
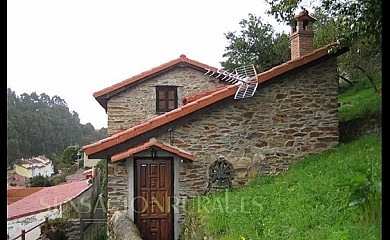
(43, 125)
(257, 44)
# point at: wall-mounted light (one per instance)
(153, 153)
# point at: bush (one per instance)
(58, 179)
(366, 192)
(102, 234)
(40, 181)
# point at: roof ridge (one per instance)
(262, 77)
(160, 144)
(151, 71)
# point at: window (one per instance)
(166, 98)
(305, 24)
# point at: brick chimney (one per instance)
(301, 36)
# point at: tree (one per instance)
(40, 125)
(258, 44)
(69, 155)
(354, 19)
(58, 179)
(325, 29)
(40, 181)
(355, 23)
(364, 60)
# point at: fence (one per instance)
(22, 236)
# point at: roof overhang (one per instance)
(153, 143)
(105, 94)
(162, 124)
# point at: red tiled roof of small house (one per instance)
(17, 193)
(150, 144)
(46, 199)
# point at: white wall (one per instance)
(15, 227)
(44, 170)
(38, 170)
(90, 162)
(49, 169)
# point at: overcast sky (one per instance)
(73, 48)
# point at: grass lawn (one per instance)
(313, 200)
(332, 195)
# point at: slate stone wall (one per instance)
(138, 104)
(72, 229)
(265, 133)
(117, 189)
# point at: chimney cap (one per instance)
(304, 15)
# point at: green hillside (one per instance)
(360, 99)
(332, 195)
(313, 200)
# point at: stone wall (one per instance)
(72, 229)
(138, 104)
(80, 207)
(265, 133)
(117, 189)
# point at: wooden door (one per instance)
(153, 191)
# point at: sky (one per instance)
(73, 48)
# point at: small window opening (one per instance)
(305, 24)
(166, 98)
(293, 26)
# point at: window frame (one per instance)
(166, 89)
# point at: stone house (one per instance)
(159, 149)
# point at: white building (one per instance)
(90, 162)
(36, 166)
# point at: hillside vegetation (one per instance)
(332, 195)
(360, 99)
(44, 125)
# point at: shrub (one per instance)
(366, 192)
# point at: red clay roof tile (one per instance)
(99, 95)
(46, 199)
(200, 103)
(294, 63)
(16, 194)
(194, 97)
(304, 15)
(147, 145)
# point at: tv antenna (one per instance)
(244, 76)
